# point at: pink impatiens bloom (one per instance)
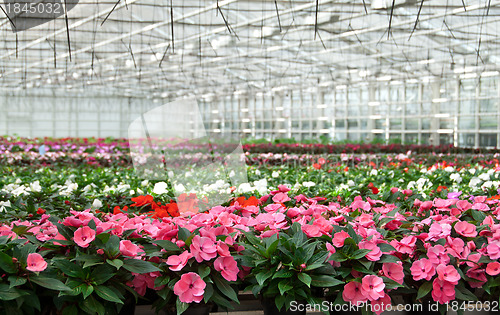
(227, 267)
(493, 250)
(36, 263)
(466, 229)
(203, 248)
(372, 287)
(443, 291)
(422, 269)
(190, 288)
(493, 268)
(84, 236)
(394, 271)
(311, 230)
(448, 274)
(374, 254)
(339, 238)
(281, 197)
(352, 293)
(381, 305)
(437, 255)
(177, 262)
(127, 248)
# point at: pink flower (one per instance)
(422, 269)
(493, 250)
(466, 229)
(227, 267)
(127, 248)
(381, 305)
(352, 293)
(203, 248)
(394, 271)
(443, 291)
(478, 276)
(84, 236)
(374, 254)
(439, 230)
(311, 230)
(493, 268)
(372, 287)
(190, 288)
(281, 198)
(463, 205)
(36, 263)
(177, 262)
(339, 238)
(437, 255)
(448, 273)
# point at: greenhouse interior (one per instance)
(249, 157)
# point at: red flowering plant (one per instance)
(197, 263)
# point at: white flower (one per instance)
(456, 177)
(144, 183)
(132, 192)
(35, 186)
(474, 181)
(4, 204)
(275, 174)
(343, 187)
(160, 188)
(122, 187)
(232, 173)
(449, 169)
(261, 186)
(170, 174)
(472, 171)
(257, 172)
(96, 204)
(179, 188)
(308, 184)
(484, 176)
(374, 173)
(139, 191)
(244, 188)
(350, 183)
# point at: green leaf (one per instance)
(49, 283)
(464, 294)
(6, 263)
(181, 307)
(117, 263)
(89, 260)
(7, 293)
(388, 259)
(209, 291)
(324, 281)
(284, 286)
(101, 274)
(221, 301)
(139, 266)
(183, 233)
(86, 290)
(162, 280)
(385, 248)
(203, 271)
(113, 246)
(16, 281)
(92, 306)
(167, 245)
(424, 289)
(360, 253)
(108, 294)
(305, 278)
(261, 277)
(69, 268)
(283, 273)
(224, 287)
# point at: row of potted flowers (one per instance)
(281, 246)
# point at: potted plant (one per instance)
(285, 269)
(199, 271)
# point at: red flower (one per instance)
(142, 201)
(40, 211)
(317, 166)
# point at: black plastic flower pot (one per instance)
(193, 309)
(269, 306)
